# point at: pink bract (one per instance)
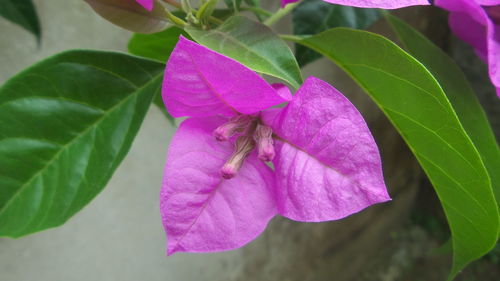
(384, 4)
(147, 4)
(331, 158)
(477, 22)
(327, 165)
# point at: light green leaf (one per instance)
(23, 13)
(314, 16)
(254, 45)
(414, 102)
(131, 15)
(66, 123)
(460, 94)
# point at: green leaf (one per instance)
(66, 123)
(23, 13)
(252, 44)
(131, 15)
(459, 92)
(314, 16)
(415, 103)
(157, 46)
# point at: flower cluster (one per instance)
(219, 192)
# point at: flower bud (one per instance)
(237, 124)
(244, 145)
(264, 137)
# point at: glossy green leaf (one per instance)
(254, 45)
(157, 46)
(414, 102)
(459, 92)
(66, 123)
(314, 16)
(131, 15)
(23, 13)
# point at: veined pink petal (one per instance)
(147, 4)
(201, 212)
(327, 165)
(200, 82)
(383, 4)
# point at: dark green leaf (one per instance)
(131, 15)
(459, 92)
(66, 123)
(415, 103)
(254, 45)
(314, 16)
(23, 13)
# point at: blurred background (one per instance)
(119, 235)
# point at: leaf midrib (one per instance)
(77, 137)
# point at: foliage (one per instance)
(68, 121)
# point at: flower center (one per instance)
(250, 133)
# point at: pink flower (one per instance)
(477, 22)
(218, 192)
(147, 4)
(384, 4)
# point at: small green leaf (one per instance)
(254, 45)
(157, 46)
(131, 15)
(206, 9)
(66, 123)
(23, 13)
(414, 102)
(314, 16)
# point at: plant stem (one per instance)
(291, 37)
(179, 6)
(280, 13)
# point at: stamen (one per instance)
(236, 125)
(264, 138)
(244, 145)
